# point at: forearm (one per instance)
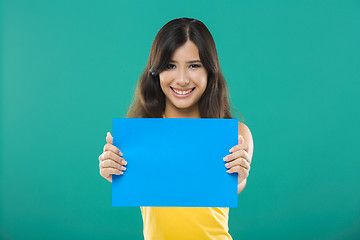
(241, 186)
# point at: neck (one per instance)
(173, 112)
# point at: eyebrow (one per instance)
(193, 61)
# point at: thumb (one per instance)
(109, 138)
(241, 139)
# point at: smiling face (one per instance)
(183, 82)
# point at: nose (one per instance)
(182, 78)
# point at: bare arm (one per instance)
(244, 131)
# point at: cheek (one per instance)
(201, 79)
(164, 79)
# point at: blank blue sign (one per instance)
(175, 162)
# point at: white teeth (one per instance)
(182, 92)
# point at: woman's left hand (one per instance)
(239, 160)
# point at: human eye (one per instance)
(195, 66)
(170, 66)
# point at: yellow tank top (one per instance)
(162, 223)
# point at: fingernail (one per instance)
(225, 158)
(123, 168)
(231, 149)
(120, 153)
(124, 162)
(107, 133)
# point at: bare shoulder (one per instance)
(243, 127)
(246, 133)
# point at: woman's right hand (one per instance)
(111, 161)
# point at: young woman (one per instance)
(183, 79)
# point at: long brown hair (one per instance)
(149, 101)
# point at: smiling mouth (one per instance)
(182, 92)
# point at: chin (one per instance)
(184, 106)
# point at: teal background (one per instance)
(69, 67)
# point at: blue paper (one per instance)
(175, 162)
